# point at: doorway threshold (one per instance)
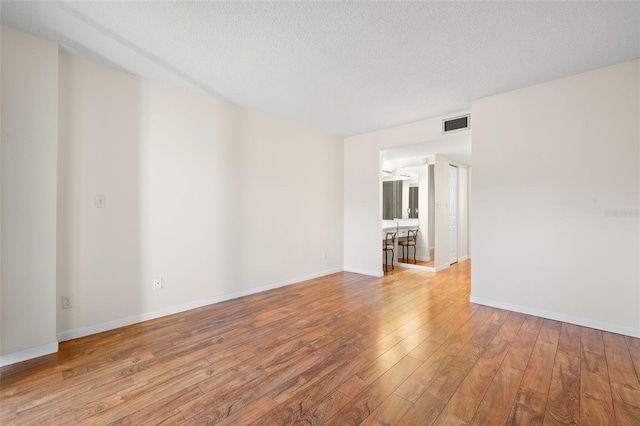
(416, 267)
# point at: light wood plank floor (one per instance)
(410, 260)
(406, 349)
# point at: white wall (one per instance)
(99, 250)
(362, 189)
(441, 228)
(432, 207)
(549, 161)
(28, 178)
(215, 199)
(422, 244)
(463, 212)
(405, 198)
(469, 208)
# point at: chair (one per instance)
(412, 238)
(389, 244)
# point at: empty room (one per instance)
(275, 213)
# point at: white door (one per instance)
(453, 214)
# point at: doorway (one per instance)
(442, 201)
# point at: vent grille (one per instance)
(455, 124)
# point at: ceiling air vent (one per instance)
(455, 124)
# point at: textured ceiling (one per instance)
(344, 68)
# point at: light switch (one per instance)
(101, 201)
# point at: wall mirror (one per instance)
(399, 194)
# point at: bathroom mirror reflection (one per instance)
(400, 195)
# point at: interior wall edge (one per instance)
(557, 316)
(368, 272)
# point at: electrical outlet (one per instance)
(66, 302)
(157, 283)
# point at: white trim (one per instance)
(422, 258)
(371, 273)
(442, 267)
(416, 267)
(27, 354)
(122, 322)
(584, 322)
(463, 258)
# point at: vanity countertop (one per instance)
(389, 224)
(399, 225)
(407, 223)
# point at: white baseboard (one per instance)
(27, 354)
(371, 273)
(584, 322)
(463, 258)
(441, 267)
(134, 319)
(416, 267)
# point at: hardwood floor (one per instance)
(410, 260)
(346, 349)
